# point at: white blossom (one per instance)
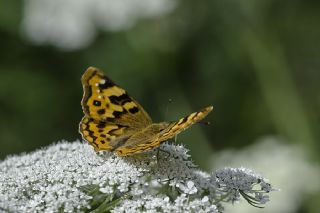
(71, 177)
(241, 181)
(286, 165)
(72, 24)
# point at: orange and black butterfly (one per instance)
(114, 121)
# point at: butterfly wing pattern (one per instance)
(110, 114)
(114, 121)
(158, 133)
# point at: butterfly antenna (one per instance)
(167, 108)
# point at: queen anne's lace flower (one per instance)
(71, 177)
(234, 182)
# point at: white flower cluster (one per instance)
(281, 161)
(234, 182)
(72, 24)
(163, 204)
(71, 177)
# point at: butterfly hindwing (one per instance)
(182, 124)
(104, 101)
(158, 133)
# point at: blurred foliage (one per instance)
(256, 62)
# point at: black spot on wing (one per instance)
(101, 111)
(134, 110)
(113, 131)
(126, 101)
(121, 126)
(111, 120)
(107, 83)
(95, 144)
(101, 125)
(184, 119)
(195, 115)
(120, 100)
(117, 114)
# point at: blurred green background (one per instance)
(256, 62)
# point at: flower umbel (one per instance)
(71, 177)
(233, 182)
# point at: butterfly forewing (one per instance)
(104, 101)
(111, 115)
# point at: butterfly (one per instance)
(115, 122)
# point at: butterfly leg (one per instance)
(162, 150)
(158, 155)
